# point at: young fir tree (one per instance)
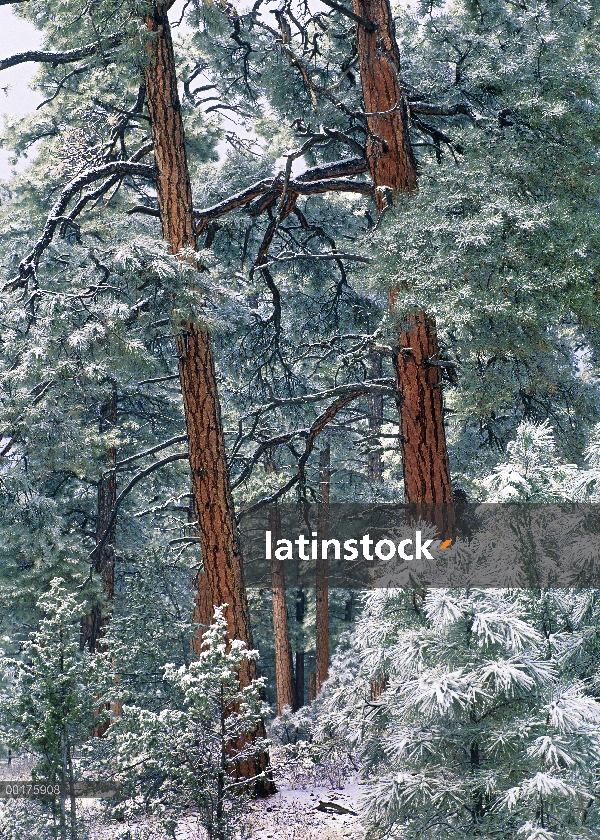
(50, 705)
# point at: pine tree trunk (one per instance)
(375, 405)
(222, 579)
(312, 687)
(300, 654)
(422, 439)
(322, 572)
(284, 672)
(392, 165)
(299, 679)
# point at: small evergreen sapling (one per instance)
(49, 707)
(184, 757)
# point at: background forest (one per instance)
(305, 253)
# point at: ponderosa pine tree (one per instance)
(393, 168)
(427, 114)
(223, 577)
(222, 580)
(444, 98)
(284, 670)
(179, 232)
(510, 222)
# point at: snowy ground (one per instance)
(291, 815)
(307, 813)
(297, 815)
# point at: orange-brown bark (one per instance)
(300, 611)
(422, 436)
(222, 580)
(284, 670)
(392, 165)
(389, 153)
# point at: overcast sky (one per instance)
(15, 95)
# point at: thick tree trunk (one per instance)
(94, 623)
(422, 439)
(389, 153)
(284, 672)
(222, 580)
(322, 572)
(392, 165)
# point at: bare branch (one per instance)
(320, 179)
(337, 169)
(260, 263)
(76, 72)
(94, 195)
(370, 27)
(369, 386)
(440, 110)
(184, 540)
(152, 450)
(283, 257)
(159, 379)
(143, 210)
(67, 57)
(315, 430)
(125, 492)
(263, 447)
(333, 185)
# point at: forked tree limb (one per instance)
(152, 451)
(311, 437)
(329, 177)
(179, 456)
(119, 167)
(333, 177)
(375, 385)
